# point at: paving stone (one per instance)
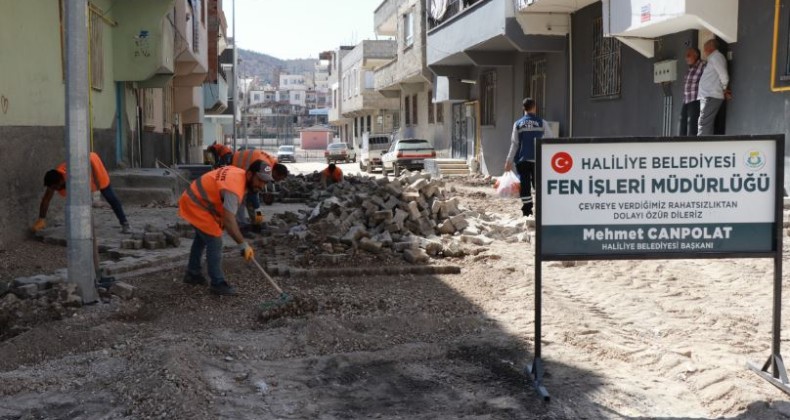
(446, 227)
(26, 291)
(459, 221)
(415, 256)
(414, 212)
(123, 290)
(370, 245)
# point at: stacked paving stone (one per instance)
(414, 215)
(55, 289)
(153, 238)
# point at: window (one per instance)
(408, 29)
(369, 127)
(606, 71)
(431, 117)
(535, 83)
(414, 106)
(440, 113)
(488, 98)
(96, 27)
(407, 110)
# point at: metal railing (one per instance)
(441, 11)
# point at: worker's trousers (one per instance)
(213, 247)
(115, 203)
(526, 173)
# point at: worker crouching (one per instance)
(210, 205)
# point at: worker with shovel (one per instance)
(243, 159)
(210, 205)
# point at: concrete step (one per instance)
(453, 166)
(455, 172)
(132, 195)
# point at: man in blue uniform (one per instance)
(526, 130)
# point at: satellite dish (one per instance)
(438, 9)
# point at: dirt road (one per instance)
(621, 339)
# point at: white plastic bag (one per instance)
(508, 185)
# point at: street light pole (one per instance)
(79, 217)
(235, 77)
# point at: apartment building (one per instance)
(407, 76)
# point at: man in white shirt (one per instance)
(712, 87)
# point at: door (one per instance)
(459, 135)
(471, 143)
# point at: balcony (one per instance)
(552, 6)
(496, 35)
(637, 23)
(191, 47)
(143, 44)
(443, 11)
(215, 96)
(385, 18)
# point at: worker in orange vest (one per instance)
(222, 154)
(55, 181)
(331, 175)
(243, 159)
(210, 205)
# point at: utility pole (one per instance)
(235, 77)
(79, 219)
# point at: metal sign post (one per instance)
(660, 198)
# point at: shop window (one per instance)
(415, 107)
(440, 113)
(407, 110)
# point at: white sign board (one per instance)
(680, 196)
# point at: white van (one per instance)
(371, 149)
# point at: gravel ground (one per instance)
(389, 347)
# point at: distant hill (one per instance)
(266, 67)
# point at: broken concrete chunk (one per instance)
(123, 290)
(414, 212)
(415, 256)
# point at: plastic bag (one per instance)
(508, 185)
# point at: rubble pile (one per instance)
(412, 215)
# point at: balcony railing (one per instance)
(443, 10)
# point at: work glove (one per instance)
(40, 224)
(246, 251)
(258, 220)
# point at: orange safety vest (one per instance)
(221, 149)
(201, 203)
(98, 172)
(335, 176)
(245, 158)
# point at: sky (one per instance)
(290, 29)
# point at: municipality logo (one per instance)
(754, 159)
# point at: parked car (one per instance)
(407, 154)
(371, 149)
(339, 152)
(286, 154)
